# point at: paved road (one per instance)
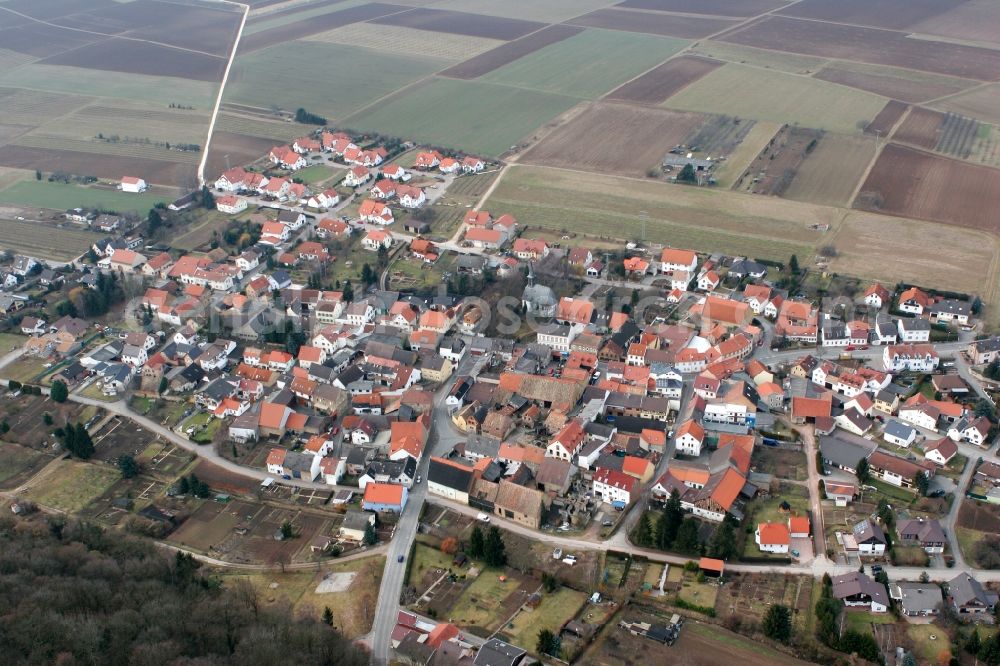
(222, 89)
(442, 438)
(815, 503)
(206, 451)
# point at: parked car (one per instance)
(483, 518)
(557, 554)
(570, 560)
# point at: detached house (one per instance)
(969, 597)
(375, 212)
(773, 538)
(857, 590)
(926, 533)
(377, 239)
(532, 250)
(913, 301)
(877, 296)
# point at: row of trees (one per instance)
(488, 547)
(76, 440)
(674, 532)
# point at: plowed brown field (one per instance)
(912, 183)
(656, 85)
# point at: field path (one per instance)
(878, 151)
(110, 36)
(222, 90)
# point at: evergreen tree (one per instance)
(371, 536)
(862, 471)
(723, 544)
(164, 384)
(670, 521)
(495, 553)
(59, 392)
(793, 265)
(328, 616)
(548, 643)
(778, 623)
(128, 466)
(687, 537)
(477, 544)
(644, 533)
(153, 222)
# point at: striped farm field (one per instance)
(405, 41)
(278, 130)
(121, 85)
(33, 107)
(750, 92)
(12, 59)
(588, 64)
(43, 242)
(832, 170)
(748, 55)
(96, 147)
(132, 120)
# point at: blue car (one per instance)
(400, 558)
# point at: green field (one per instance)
(60, 196)
(700, 218)
(332, 80)
(72, 486)
(317, 173)
(160, 90)
(750, 92)
(468, 115)
(588, 64)
(556, 609)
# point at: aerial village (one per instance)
(836, 436)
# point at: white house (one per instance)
(567, 442)
(689, 437)
(941, 451)
(910, 358)
(358, 175)
(326, 199)
(678, 260)
(614, 487)
(376, 239)
(923, 416)
(899, 434)
(231, 204)
(772, 538)
(134, 356)
(916, 329)
(133, 185)
(974, 432)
